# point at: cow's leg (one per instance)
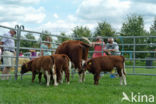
(39, 77)
(67, 74)
(96, 78)
(124, 77)
(80, 77)
(84, 73)
(48, 77)
(58, 74)
(61, 77)
(54, 76)
(120, 74)
(83, 76)
(33, 76)
(45, 77)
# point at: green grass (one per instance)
(107, 92)
(141, 70)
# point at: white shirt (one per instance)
(114, 45)
(8, 43)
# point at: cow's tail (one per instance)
(52, 58)
(67, 60)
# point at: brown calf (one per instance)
(43, 64)
(62, 64)
(106, 64)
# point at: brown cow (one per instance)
(77, 51)
(62, 65)
(106, 64)
(43, 64)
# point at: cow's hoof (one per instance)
(80, 81)
(56, 84)
(68, 83)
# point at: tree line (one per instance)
(133, 25)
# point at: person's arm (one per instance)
(107, 50)
(116, 48)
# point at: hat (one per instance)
(98, 37)
(13, 30)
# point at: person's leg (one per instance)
(7, 60)
(5, 72)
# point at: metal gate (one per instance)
(139, 51)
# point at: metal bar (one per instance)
(131, 51)
(17, 50)
(141, 66)
(6, 27)
(134, 55)
(141, 74)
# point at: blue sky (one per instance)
(63, 15)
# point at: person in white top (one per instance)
(8, 51)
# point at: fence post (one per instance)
(134, 49)
(19, 28)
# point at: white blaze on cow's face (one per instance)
(83, 62)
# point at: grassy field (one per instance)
(107, 92)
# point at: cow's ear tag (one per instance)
(89, 63)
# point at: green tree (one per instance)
(27, 43)
(44, 34)
(153, 27)
(80, 31)
(134, 26)
(104, 29)
(63, 37)
(153, 40)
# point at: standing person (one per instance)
(33, 54)
(112, 48)
(99, 46)
(21, 53)
(46, 46)
(8, 52)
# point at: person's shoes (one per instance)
(112, 76)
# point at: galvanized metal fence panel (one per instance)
(133, 52)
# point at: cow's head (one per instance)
(26, 67)
(87, 65)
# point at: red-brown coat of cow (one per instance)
(106, 64)
(77, 51)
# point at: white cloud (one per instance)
(19, 2)
(58, 26)
(98, 10)
(55, 15)
(21, 14)
(114, 11)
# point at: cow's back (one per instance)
(107, 62)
